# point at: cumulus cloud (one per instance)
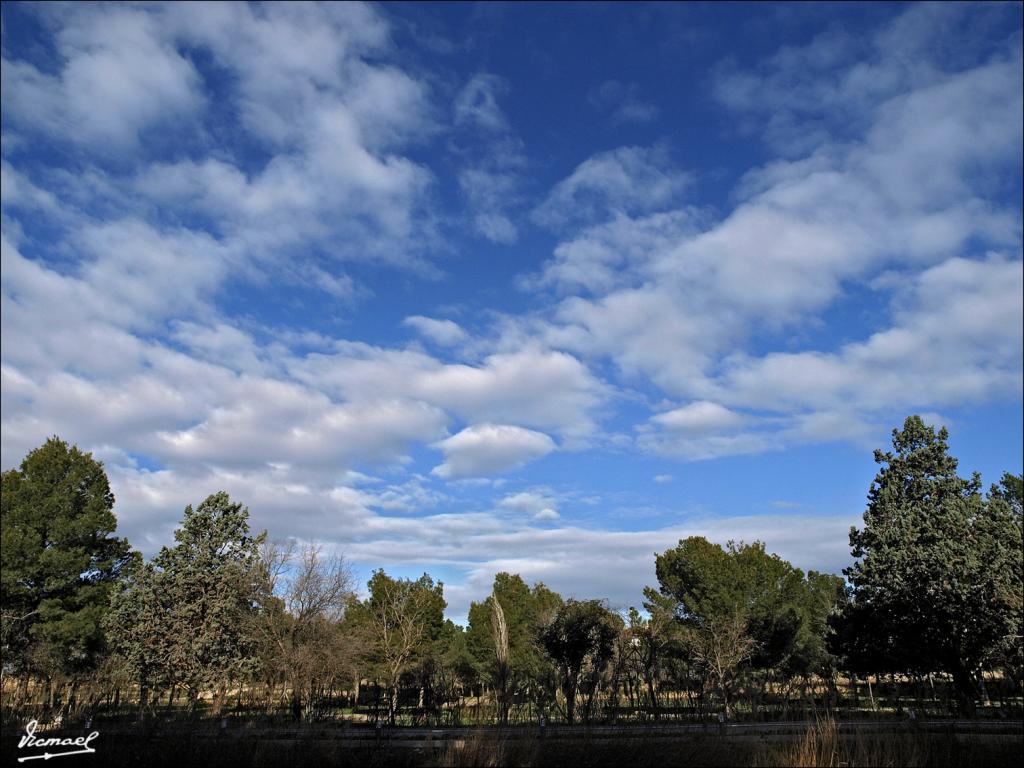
(485, 449)
(116, 56)
(698, 417)
(957, 337)
(802, 95)
(492, 160)
(531, 386)
(443, 332)
(675, 297)
(539, 506)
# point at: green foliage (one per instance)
(525, 612)
(188, 617)
(58, 559)
(938, 572)
(401, 622)
(1011, 490)
(580, 639)
(740, 607)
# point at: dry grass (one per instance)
(822, 745)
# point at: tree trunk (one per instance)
(392, 701)
(570, 703)
(963, 682)
(69, 705)
(653, 696)
(985, 701)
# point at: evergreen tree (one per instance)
(525, 612)
(937, 565)
(58, 559)
(188, 617)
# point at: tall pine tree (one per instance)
(937, 563)
(58, 559)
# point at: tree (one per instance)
(58, 559)
(652, 641)
(516, 667)
(306, 595)
(446, 668)
(580, 639)
(1011, 490)
(1009, 493)
(189, 616)
(741, 607)
(401, 619)
(938, 567)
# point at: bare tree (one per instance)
(311, 592)
(501, 657)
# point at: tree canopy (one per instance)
(580, 639)
(188, 617)
(937, 575)
(740, 606)
(59, 559)
(401, 620)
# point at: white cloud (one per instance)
(485, 449)
(530, 386)
(413, 495)
(297, 59)
(496, 227)
(698, 418)
(627, 180)
(605, 256)
(710, 446)
(115, 56)
(491, 174)
(956, 338)
(335, 179)
(676, 297)
(477, 103)
(150, 503)
(444, 332)
(278, 422)
(801, 96)
(539, 506)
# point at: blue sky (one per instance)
(540, 288)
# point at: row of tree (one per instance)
(225, 618)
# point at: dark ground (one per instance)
(935, 743)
